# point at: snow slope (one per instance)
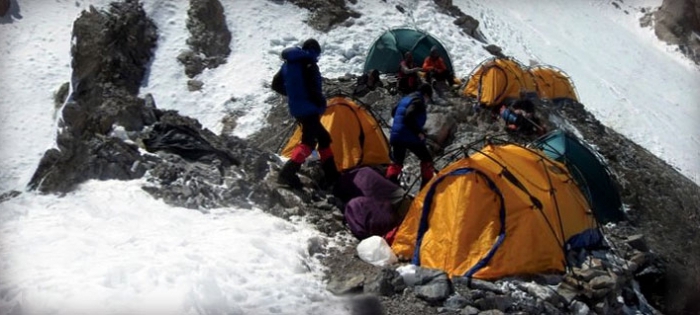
(626, 77)
(110, 248)
(35, 61)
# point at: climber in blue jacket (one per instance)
(300, 80)
(407, 134)
(520, 116)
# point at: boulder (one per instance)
(468, 24)
(485, 286)
(326, 14)
(209, 39)
(469, 310)
(59, 97)
(435, 291)
(495, 50)
(637, 242)
(677, 23)
(194, 85)
(385, 283)
(4, 7)
(440, 130)
(456, 302)
(346, 285)
(495, 302)
(9, 195)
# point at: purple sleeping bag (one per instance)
(367, 182)
(367, 216)
(368, 196)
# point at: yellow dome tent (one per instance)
(497, 80)
(357, 137)
(553, 83)
(503, 211)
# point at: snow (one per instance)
(628, 79)
(35, 62)
(236, 85)
(110, 248)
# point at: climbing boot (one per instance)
(330, 172)
(288, 175)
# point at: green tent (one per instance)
(387, 51)
(589, 170)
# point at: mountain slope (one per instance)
(154, 266)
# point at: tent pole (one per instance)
(286, 134)
(556, 206)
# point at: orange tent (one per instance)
(496, 80)
(553, 84)
(503, 211)
(358, 138)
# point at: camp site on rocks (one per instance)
(491, 157)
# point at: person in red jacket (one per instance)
(408, 75)
(435, 68)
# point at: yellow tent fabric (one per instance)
(496, 80)
(553, 83)
(357, 137)
(503, 211)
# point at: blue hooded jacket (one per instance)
(302, 82)
(409, 119)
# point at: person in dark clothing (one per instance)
(408, 75)
(407, 134)
(367, 82)
(520, 116)
(300, 80)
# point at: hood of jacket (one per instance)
(294, 54)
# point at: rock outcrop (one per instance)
(209, 37)
(110, 55)
(325, 14)
(4, 7)
(107, 132)
(677, 22)
(468, 24)
(9, 11)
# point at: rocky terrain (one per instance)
(677, 22)
(662, 205)
(108, 132)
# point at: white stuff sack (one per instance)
(376, 251)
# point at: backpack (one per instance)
(278, 83)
